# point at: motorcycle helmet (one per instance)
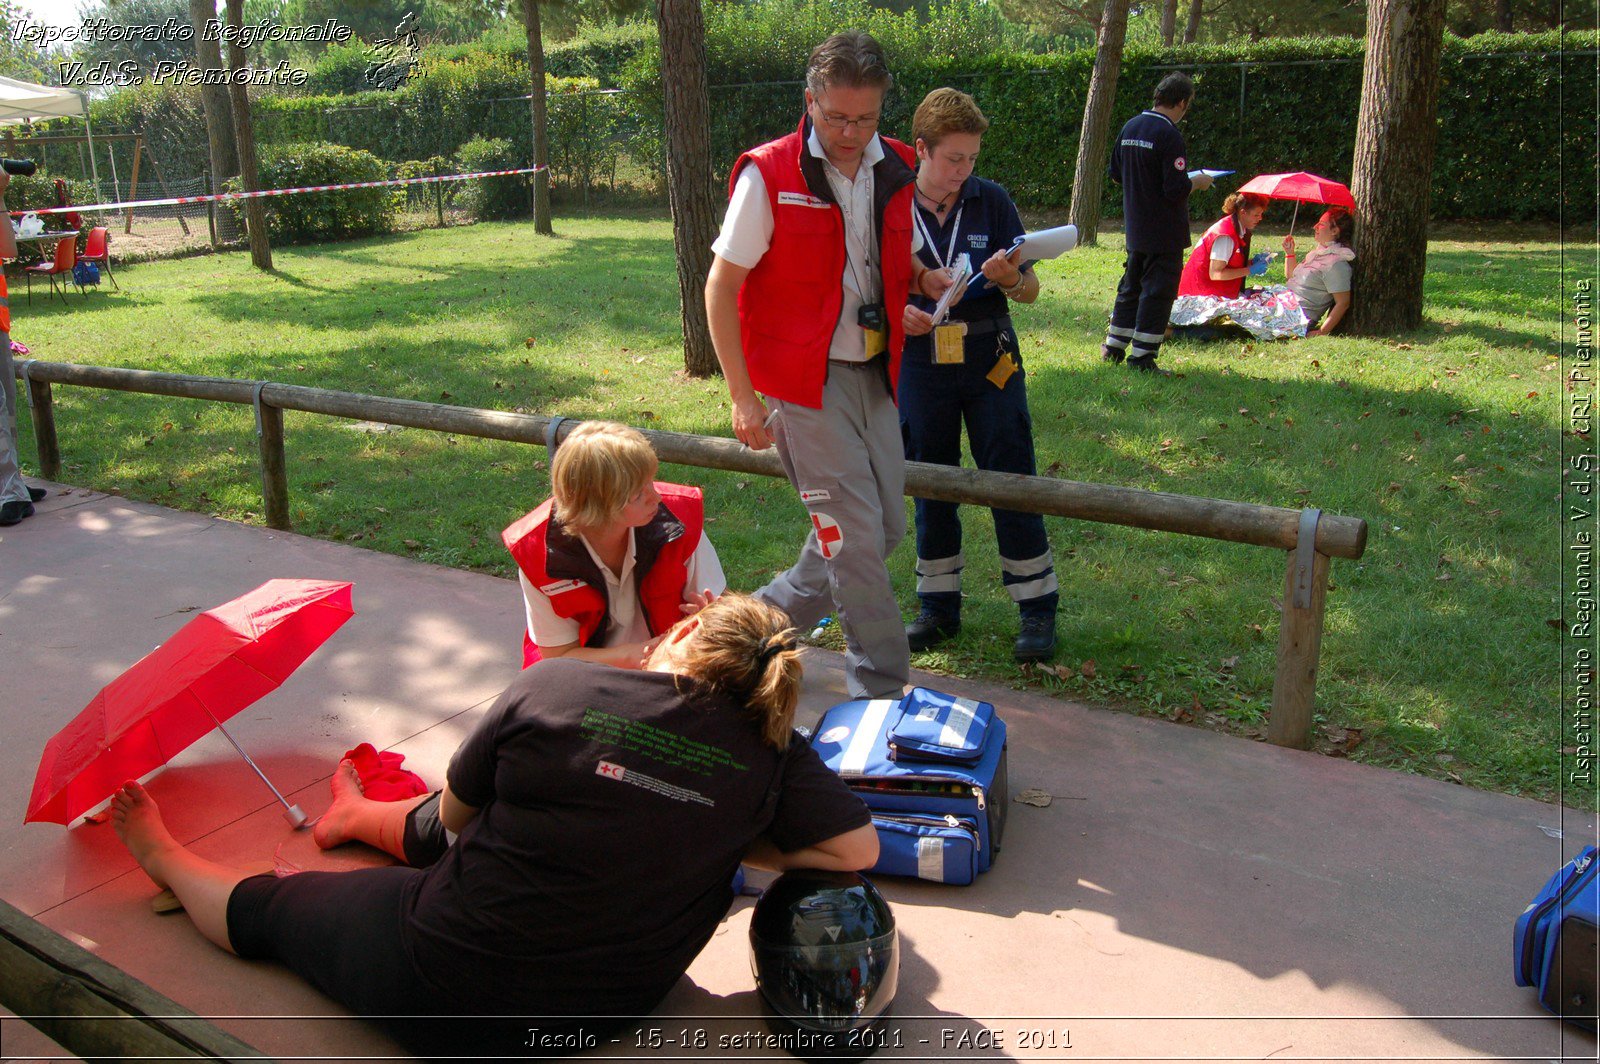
(827, 959)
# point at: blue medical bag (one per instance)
(932, 768)
(1555, 946)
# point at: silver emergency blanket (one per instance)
(1270, 313)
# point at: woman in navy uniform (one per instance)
(970, 370)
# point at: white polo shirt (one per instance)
(626, 623)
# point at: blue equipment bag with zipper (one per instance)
(1555, 945)
(932, 769)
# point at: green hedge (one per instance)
(1498, 99)
(487, 198)
(316, 217)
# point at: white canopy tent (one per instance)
(21, 102)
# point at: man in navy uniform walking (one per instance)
(1150, 161)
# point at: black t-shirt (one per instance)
(615, 806)
(1149, 159)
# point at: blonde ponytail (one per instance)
(746, 649)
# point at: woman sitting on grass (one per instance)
(1322, 279)
(614, 559)
(1221, 260)
(601, 815)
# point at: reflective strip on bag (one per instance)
(868, 728)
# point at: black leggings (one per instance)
(342, 933)
(425, 839)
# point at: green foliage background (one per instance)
(1514, 110)
(487, 197)
(1285, 104)
(312, 218)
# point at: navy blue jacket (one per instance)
(989, 223)
(1150, 161)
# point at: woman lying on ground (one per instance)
(613, 559)
(601, 814)
(1322, 279)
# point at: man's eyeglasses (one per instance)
(866, 124)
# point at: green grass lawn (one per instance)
(1438, 655)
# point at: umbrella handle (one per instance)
(292, 813)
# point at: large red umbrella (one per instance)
(1302, 188)
(220, 662)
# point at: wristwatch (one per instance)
(1012, 290)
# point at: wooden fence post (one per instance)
(1294, 688)
(274, 466)
(42, 404)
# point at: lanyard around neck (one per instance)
(927, 237)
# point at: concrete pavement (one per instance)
(1187, 895)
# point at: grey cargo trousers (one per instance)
(847, 461)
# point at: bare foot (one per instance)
(137, 822)
(334, 827)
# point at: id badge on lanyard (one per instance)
(950, 339)
(950, 343)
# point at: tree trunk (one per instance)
(1395, 138)
(219, 115)
(1191, 29)
(541, 123)
(1169, 22)
(255, 212)
(1502, 15)
(1088, 180)
(694, 208)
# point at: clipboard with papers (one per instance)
(1030, 248)
(960, 272)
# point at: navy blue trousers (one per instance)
(1145, 295)
(935, 401)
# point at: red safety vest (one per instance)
(556, 563)
(1197, 271)
(790, 302)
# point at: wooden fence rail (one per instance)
(1310, 537)
(95, 1010)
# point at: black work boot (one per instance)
(932, 628)
(1111, 354)
(1037, 639)
(1148, 365)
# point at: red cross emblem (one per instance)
(829, 538)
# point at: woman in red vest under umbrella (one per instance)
(1221, 260)
(1212, 300)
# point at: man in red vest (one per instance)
(16, 498)
(808, 283)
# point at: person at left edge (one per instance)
(808, 281)
(614, 558)
(970, 369)
(16, 498)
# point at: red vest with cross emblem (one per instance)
(1197, 271)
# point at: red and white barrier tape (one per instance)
(174, 200)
